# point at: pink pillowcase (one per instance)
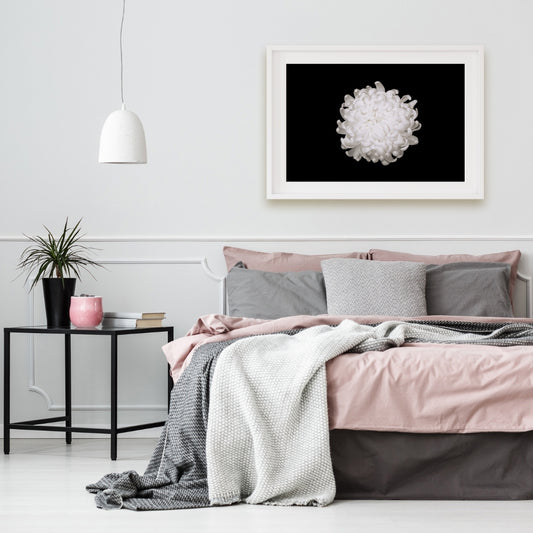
(512, 257)
(280, 261)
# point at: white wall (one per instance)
(195, 73)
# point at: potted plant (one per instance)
(56, 260)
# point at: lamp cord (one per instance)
(121, 55)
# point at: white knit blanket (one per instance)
(267, 431)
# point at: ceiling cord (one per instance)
(121, 55)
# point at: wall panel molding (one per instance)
(31, 377)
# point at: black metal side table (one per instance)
(40, 424)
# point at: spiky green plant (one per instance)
(56, 256)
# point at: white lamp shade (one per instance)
(122, 139)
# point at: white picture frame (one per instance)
(286, 137)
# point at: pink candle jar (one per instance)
(86, 311)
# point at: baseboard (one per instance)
(150, 433)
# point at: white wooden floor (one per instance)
(42, 490)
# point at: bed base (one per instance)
(410, 466)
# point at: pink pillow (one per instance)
(280, 261)
(512, 257)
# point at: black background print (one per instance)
(315, 93)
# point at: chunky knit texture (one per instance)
(268, 437)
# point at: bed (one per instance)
(416, 385)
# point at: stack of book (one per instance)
(120, 319)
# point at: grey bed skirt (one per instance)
(410, 466)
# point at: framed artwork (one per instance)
(375, 122)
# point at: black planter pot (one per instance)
(57, 293)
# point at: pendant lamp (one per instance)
(122, 139)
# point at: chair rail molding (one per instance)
(284, 238)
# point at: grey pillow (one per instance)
(469, 289)
(389, 288)
(258, 294)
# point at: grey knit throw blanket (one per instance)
(177, 474)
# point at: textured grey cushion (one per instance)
(388, 288)
(470, 289)
(258, 294)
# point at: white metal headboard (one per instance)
(527, 292)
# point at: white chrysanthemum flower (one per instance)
(378, 125)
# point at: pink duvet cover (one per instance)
(420, 388)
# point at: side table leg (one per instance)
(68, 390)
(170, 385)
(114, 365)
(7, 380)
